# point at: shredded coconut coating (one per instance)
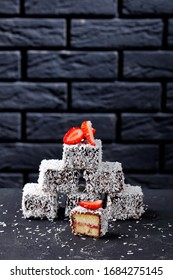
(53, 175)
(127, 204)
(37, 203)
(82, 155)
(102, 213)
(109, 178)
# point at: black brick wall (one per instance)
(110, 61)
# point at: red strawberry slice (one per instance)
(92, 205)
(88, 132)
(93, 130)
(73, 136)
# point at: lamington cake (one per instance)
(74, 197)
(93, 223)
(108, 178)
(37, 203)
(82, 155)
(127, 204)
(54, 176)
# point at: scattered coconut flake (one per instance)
(3, 224)
(130, 252)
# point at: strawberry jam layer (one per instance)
(86, 224)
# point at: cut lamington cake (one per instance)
(93, 223)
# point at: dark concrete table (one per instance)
(148, 238)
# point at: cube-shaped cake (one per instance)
(53, 175)
(37, 203)
(127, 204)
(92, 223)
(74, 198)
(82, 155)
(109, 178)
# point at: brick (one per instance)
(169, 98)
(10, 124)
(53, 126)
(168, 157)
(26, 156)
(147, 126)
(71, 7)
(148, 64)
(9, 65)
(153, 181)
(132, 156)
(116, 33)
(25, 96)
(116, 96)
(143, 7)
(11, 180)
(9, 7)
(33, 177)
(170, 32)
(72, 65)
(32, 32)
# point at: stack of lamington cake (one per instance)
(82, 176)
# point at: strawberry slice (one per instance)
(73, 136)
(92, 205)
(88, 132)
(93, 130)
